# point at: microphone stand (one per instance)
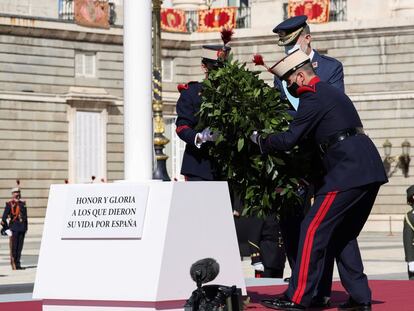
(199, 292)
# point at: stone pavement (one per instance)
(383, 256)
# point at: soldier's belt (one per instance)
(340, 136)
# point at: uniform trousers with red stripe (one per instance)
(331, 226)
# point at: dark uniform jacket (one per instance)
(328, 69)
(408, 236)
(323, 112)
(196, 161)
(266, 241)
(18, 221)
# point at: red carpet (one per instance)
(387, 296)
(21, 306)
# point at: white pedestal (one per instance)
(184, 222)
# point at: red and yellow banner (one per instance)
(217, 18)
(317, 11)
(173, 20)
(92, 13)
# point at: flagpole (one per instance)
(160, 140)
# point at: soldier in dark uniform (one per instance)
(15, 218)
(408, 234)
(262, 236)
(196, 164)
(353, 175)
(294, 33)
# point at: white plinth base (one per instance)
(184, 222)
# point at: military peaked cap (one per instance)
(290, 29)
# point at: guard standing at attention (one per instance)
(408, 234)
(343, 202)
(15, 217)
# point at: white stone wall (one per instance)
(37, 84)
(44, 8)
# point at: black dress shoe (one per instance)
(320, 302)
(281, 304)
(410, 275)
(20, 268)
(352, 305)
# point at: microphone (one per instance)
(204, 270)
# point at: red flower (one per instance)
(226, 34)
(258, 60)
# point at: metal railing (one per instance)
(337, 10)
(243, 17)
(67, 10)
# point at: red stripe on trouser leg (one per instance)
(307, 248)
(305, 273)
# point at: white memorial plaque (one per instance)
(103, 211)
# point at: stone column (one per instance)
(138, 147)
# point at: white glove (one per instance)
(258, 266)
(411, 266)
(208, 135)
(255, 137)
(204, 136)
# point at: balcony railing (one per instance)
(67, 10)
(337, 10)
(242, 19)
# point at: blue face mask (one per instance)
(289, 49)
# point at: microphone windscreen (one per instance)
(205, 270)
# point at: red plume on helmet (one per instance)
(226, 34)
(182, 87)
(18, 182)
(259, 61)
